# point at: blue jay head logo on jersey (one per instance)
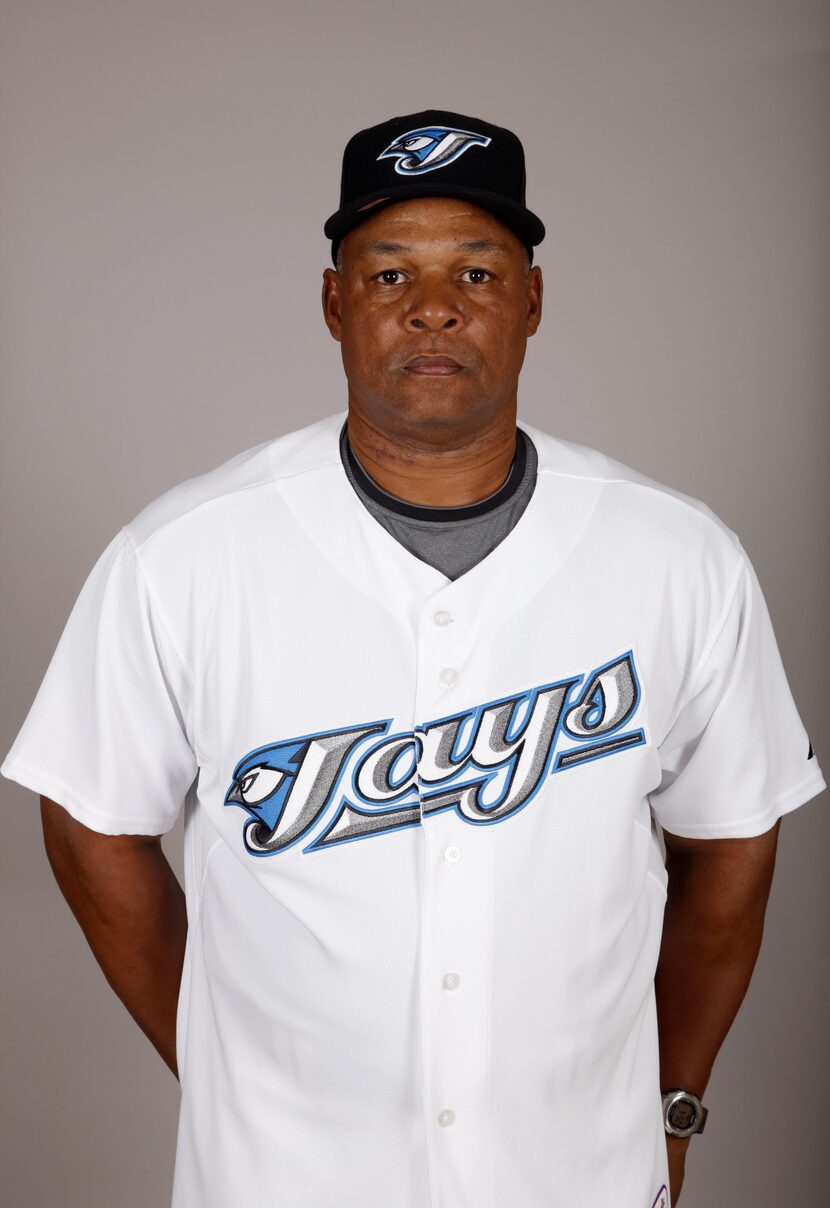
(430, 147)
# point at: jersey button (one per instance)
(446, 1117)
(450, 981)
(452, 853)
(441, 617)
(448, 676)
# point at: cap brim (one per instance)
(524, 224)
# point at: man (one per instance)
(483, 741)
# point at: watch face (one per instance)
(682, 1114)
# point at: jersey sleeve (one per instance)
(736, 756)
(107, 736)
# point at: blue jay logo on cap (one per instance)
(430, 147)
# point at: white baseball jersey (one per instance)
(424, 873)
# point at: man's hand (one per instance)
(677, 1148)
(712, 929)
(132, 911)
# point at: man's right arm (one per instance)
(132, 911)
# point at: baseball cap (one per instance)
(434, 153)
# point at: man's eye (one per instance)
(478, 275)
(387, 273)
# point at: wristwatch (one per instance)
(683, 1113)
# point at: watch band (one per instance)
(683, 1112)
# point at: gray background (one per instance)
(167, 168)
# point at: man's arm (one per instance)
(132, 911)
(713, 924)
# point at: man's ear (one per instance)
(534, 299)
(331, 302)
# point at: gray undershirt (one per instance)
(452, 545)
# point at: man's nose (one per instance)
(434, 307)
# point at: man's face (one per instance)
(432, 277)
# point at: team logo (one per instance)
(429, 148)
(662, 1200)
(486, 764)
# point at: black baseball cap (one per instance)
(434, 153)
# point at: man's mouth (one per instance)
(437, 365)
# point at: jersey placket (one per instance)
(457, 929)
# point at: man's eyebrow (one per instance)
(383, 248)
(482, 245)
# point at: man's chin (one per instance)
(450, 395)
(436, 408)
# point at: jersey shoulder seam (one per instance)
(734, 584)
(667, 492)
(681, 499)
(270, 480)
(166, 628)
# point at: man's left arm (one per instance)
(712, 929)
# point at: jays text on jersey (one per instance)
(424, 872)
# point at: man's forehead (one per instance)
(384, 247)
(432, 220)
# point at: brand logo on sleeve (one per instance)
(486, 763)
(662, 1200)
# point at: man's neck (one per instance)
(413, 466)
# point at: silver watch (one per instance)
(683, 1113)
